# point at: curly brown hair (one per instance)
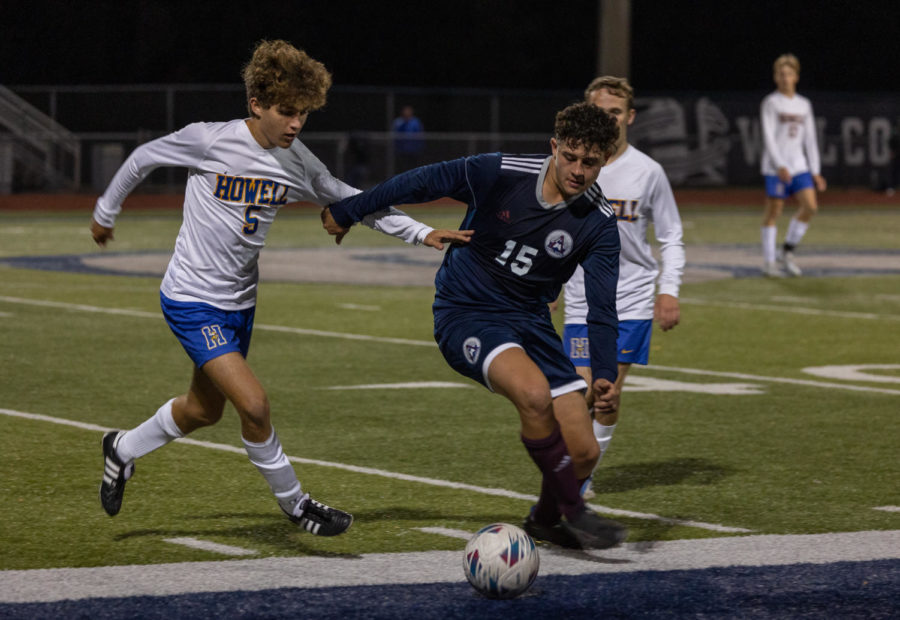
(584, 124)
(280, 74)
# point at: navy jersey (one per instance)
(523, 249)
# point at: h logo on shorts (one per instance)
(214, 336)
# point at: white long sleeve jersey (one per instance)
(234, 190)
(789, 135)
(637, 188)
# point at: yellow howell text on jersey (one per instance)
(261, 192)
(626, 210)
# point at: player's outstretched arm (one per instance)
(437, 238)
(332, 227)
(101, 234)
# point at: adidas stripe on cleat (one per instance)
(319, 519)
(115, 474)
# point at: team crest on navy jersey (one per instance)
(558, 244)
(472, 349)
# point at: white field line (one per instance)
(400, 386)
(791, 309)
(429, 343)
(887, 508)
(273, 328)
(396, 476)
(429, 567)
(446, 531)
(740, 375)
(206, 545)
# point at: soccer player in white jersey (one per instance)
(790, 165)
(638, 190)
(240, 173)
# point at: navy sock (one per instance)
(559, 487)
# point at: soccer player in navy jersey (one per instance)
(536, 218)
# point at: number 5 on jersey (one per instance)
(251, 222)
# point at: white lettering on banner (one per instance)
(751, 141)
(828, 151)
(852, 130)
(879, 133)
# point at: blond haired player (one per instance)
(240, 173)
(638, 190)
(790, 165)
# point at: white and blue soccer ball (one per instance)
(501, 561)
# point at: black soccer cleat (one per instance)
(115, 474)
(319, 519)
(593, 531)
(553, 534)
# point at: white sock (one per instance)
(270, 460)
(603, 434)
(796, 230)
(153, 433)
(768, 234)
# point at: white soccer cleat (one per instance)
(787, 261)
(772, 270)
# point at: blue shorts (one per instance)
(776, 188)
(633, 343)
(206, 332)
(471, 339)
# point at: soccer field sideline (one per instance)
(430, 567)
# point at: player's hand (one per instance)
(666, 311)
(101, 234)
(821, 183)
(784, 175)
(606, 397)
(437, 238)
(332, 227)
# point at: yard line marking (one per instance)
(446, 531)
(400, 386)
(272, 328)
(792, 309)
(740, 375)
(887, 508)
(44, 585)
(207, 545)
(431, 343)
(460, 486)
(359, 307)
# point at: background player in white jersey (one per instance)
(790, 164)
(638, 190)
(240, 173)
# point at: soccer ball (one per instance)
(501, 561)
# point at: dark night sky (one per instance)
(677, 45)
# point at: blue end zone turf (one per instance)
(838, 590)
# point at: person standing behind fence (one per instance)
(408, 140)
(790, 165)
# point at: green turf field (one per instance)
(809, 456)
